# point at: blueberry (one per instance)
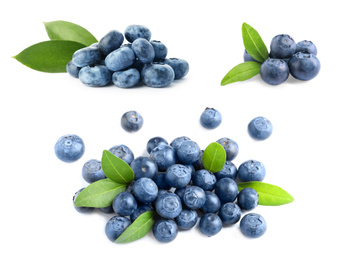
(126, 78)
(120, 59)
(230, 213)
(165, 230)
(123, 152)
(247, 57)
(180, 67)
(188, 152)
(69, 148)
(212, 203)
(140, 210)
(159, 179)
(72, 69)
(95, 76)
(110, 42)
(304, 66)
(227, 190)
(116, 226)
(168, 205)
(134, 32)
(306, 46)
(143, 50)
(144, 167)
(229, 170)
(145, 190)
(210, 224)
(194, 197)
(160, 50)
(230, 146)
(204, 179)
(283, 46)
(251, 170)
(131, 121)
(210, 118)
(157, 75)
(81, 209)
(253, 225)
(164, 156)
(178, 176)
(187, 219)
(274, 71)
(176, 143)
(154, 142)
(124, 204)
(260, 128)
(86, 56)
(248, 199)
(92, 171)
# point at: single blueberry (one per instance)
(92, 171)
(145, 190)
(212, 203)
(160, 50)
(304, 66)
(210, 118)
(251, 170)
(193, 197)
(164, 156)
(124, 204)
(230, 213)
(116, 226)
(144, 167)
(210, 224)
(227, 190)
(306, 46)
(95, 76)
(253, 225)
(178, 175)
(135, 31)
(154, 142)
(188, 152)
(69, 148)
(157, 75)
(168, 205)
(126, 78)
(229, 170)
(110, 42)
(86, 56)
(165, 230)
(131, 121)
(204, 179)
(179, 66)
(176, 143)
(81, 209)
(120, 59)
(230, 146)
(140, 210)
(72, 69)
(248, 199)
(260, 128)
(274, 71)
(159, 179)
(187, 219)
(143, 50)
(283, 46)
(248, 57)
(122, 152)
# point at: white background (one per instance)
(303, 155)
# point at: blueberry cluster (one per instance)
(125, 65)
(288, 57)
(173, 182)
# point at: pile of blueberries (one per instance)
(288, 57)
(172, 181)
(125, 65)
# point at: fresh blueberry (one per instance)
(230, 146)
(144, 167)
(176, 143)
(204, 179)
(86, 56)
(69, 148)
(178, 175)
(72, 69)
(159, 179)
(304, 66)
(230, 213)
(165, 230)
(212, 203)
(227, 190)
(81, 209)
(126, 78)
(95, 76)
(168, 205)
(251, 170)
(306, 46)
(120, 59)
(210, 224)
(134, 32)
(164, 156)
(180, 67)
(260, 128)
(188, 152)
(160, 50)
(110, 42)
(157, 75)
(140, 210)
(210, 118)
(283, 46)
(187, 219)
(131, 121)
(274, 71)
(143, 50)
(248, 199)
(193, 197)
(145, 190)
(154, 142)
(247, 57)
(124, 204)
(122, 152)
(229, 170)
(253, 225)
(92, 171)
(116, 226)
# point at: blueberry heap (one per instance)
(125, 65)
(288, 57)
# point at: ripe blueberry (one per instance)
(92, 171)
(210, 118)
(304, 66)
(131, 121)
(116, 226)
(274, 71)
(210, 224)
(260, 128)
(251, 170)
(69, 148)
(253, 225)
(165, 230)
(230, 146)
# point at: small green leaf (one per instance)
(241, 72)
(269, 195)
(99, 194)
(116, 169)
(49, 56)
(214, 157)
(138, 229)
(62, 30)
(254, 45)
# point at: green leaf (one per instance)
(138, 229)
(49, 56)
(254, 45)
(99, 194)
(269, 195)
(116, 169)
(241, 72)
(214, 157)
(62, 30)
